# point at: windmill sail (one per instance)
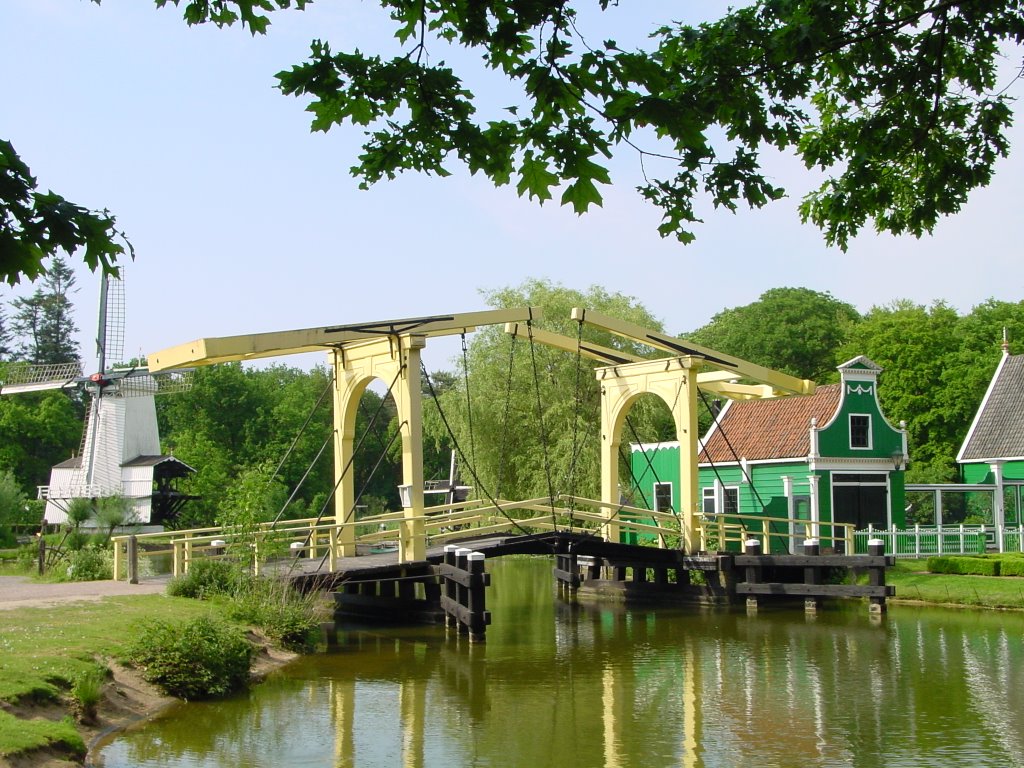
(26, 377)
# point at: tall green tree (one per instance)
(794, 330)
(37, 430)
(530, 423)
(238, 420)
(915, 345)
(45, 320)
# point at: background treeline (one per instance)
(524, 417)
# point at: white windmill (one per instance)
(120, 451)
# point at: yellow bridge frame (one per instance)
(390, 350)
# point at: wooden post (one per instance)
(752, 547)
(461, 592)
(448, 590)
(42, 555)
(876, 576)
(476, 599)
(133, 559)
(812, 574)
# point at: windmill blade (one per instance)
(139, 382)
(110, 332)
(26, 377)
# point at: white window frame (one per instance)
(717, 495)
(709, 494)
(869, 432)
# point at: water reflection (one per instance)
(560, 684)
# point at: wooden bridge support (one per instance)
(464, 595)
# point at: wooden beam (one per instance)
(208, 351)
(566, 344)
(780, 381)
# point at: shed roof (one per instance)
(998, 428)
(775, 428)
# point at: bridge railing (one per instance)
(720, 530)
(313, 538)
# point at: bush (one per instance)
(288, 617)
(1011, 566)
(91, 564)
(201, 659)
(967, 566)
(206, 578)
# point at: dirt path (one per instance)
(22, 592)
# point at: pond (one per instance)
(564, 684)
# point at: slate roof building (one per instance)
(993, 450)
(827, 457)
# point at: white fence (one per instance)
(924, 541)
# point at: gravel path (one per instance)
(22, 592)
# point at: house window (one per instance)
(663, 497)
(860, 430)
(731, 499)
(708, 506)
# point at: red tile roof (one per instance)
(775, 428)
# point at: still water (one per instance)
(578, 685)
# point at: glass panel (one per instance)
(709, 501)
(967, 507)
(920, 508)
(663, 497)
(1011, 504)
(732, 500)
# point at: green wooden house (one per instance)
(993, 450)
(830, 456)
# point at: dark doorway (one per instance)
(860, 504)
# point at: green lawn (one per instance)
(44, 650)
(912, 582)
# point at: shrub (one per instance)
(205, 578)
(967, 566)
(200, 659)
(1011, 566)
(289, 618)
(91, 564)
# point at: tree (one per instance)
(12, 503)
(914, 345)
(37, 430)
(530, 423)
(45, 319)
(795, 330)
(898, 103)
(36, 226)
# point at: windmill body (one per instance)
(120, 453)
(119, 457)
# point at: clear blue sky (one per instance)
(243, 221)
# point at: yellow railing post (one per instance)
(177, 556)
(332, 543)
(117, 559)
(188, 555)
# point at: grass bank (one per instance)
(44, 651)
(913, 582)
